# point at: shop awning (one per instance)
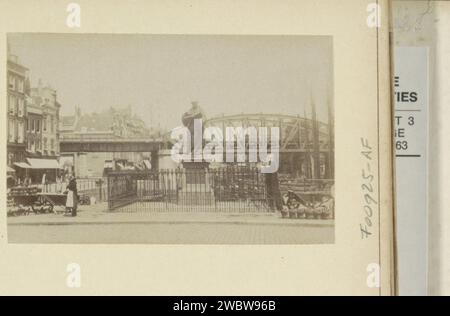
(22, 165)
(36, 163)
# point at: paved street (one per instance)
(96, 225)
(167, 233)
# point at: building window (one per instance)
(44, 124)
(20, 110)
(32, 125)
(16, 129)
(11, 131)
(12, 83)
(20, 85)
(51, 124)
(38, 127)
(20, 132)
(45, 143)
(12, 104)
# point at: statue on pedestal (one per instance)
(194, 169)
(194, 113)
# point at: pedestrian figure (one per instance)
(273, 191)
(272, 183)
(72, 196)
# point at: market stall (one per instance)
(37, 170)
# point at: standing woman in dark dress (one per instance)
(72, 196)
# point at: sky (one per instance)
(160, 75)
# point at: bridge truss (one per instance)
(304, 142)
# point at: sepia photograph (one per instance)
(170, 139)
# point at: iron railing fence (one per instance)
(90, 187)
(237, 189)
(233, 189)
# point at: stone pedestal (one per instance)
(196, 188)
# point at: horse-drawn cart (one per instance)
(56, 201)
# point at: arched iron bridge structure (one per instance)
(306, 145)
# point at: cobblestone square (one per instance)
(96, 225)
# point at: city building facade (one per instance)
(46, 98)
(16, 122)
(34, 129)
